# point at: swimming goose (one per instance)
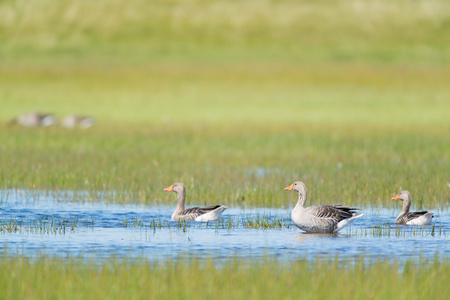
(411, 218)
(201, 214)
(319, 218)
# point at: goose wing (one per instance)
(410, 216)
(191, 213)
(336, 212)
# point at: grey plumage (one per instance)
(191, 214)
(209, 213)
(411, 218)
(337, 211)
(403, 219)
(319, 218)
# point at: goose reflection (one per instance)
(301, 237)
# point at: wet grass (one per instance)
(266, 222)
(42, 225)
(56, 225)
(237, 166)
(242, 222)
(233, 278)
(395, 230)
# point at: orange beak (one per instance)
(289, 188)
(395, 198)
(169, 189)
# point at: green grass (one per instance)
(221, 30)
(233, 165)
(385, 62)
(51, 225)
(202, 93)
(53, 278)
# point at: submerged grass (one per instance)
(41, 225)
(242, 222)
(234, 278)
(395, 230)
(280, 223)
(56, 225)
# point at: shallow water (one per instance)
(99, 231)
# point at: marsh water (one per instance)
(36, 224)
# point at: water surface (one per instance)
(99, 230)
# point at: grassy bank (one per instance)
(50, 278)
(234, 165)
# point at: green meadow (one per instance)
(235, 279)
(237, 99)
(236, 165)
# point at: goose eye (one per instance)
(295, 184)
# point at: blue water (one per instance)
(100, 233)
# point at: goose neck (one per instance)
(181, 197)
(406, 205)
(301, 199)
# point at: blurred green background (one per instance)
(228, 61)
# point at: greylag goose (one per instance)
(72, 121)
(319, 218)
(411, 218)
(200, 214)
(33, 119)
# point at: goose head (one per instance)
(297, 186)
(177, 187)
(403, 195)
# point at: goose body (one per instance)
(73, 121)
(200, 214)
(319, 218)
(411, 218)
(33, 119)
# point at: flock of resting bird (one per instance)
(312, 219)
(35, 119)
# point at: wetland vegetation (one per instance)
(237, 99)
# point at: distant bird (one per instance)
(33, 119)
(319, 218)
(201, 214)
(72, 121)
(411, 218)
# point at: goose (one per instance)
(72, 121)
(411, 218)
(319, 218)
(200, 214)
(33, 119)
